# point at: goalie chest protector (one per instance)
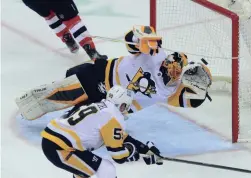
(141, 74)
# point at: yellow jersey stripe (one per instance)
(107, 73)
(107, 133)
(116, 70)
(71, 133)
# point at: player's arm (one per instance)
(193, 89)
(112, 134)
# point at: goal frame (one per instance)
(235, 54)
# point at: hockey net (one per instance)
(202, 29)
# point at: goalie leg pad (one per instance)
(51, 97)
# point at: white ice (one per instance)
(32, 55)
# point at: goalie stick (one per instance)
(206, 164)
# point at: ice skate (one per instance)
(93, 54)
(70, 43)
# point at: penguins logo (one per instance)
(142, 82)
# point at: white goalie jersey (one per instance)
(141, 74)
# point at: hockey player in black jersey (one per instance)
(62, 17)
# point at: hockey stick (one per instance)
(206, 164)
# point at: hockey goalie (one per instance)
(152, 75)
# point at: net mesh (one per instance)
(203, 33)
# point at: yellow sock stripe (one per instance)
(75, 162)
(72, 133)
(107, 73)
(56, 140)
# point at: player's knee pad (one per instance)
(106, 170)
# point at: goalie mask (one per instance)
(143, 39)
(171, 67)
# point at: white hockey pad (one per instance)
(50, 97)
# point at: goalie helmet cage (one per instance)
(165, 11)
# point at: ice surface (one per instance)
(32, 55)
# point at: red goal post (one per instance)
(234, 49)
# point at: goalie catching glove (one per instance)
(197, 77)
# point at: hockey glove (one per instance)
(134, 155)
(153, 159)
(153, 155)
(197, 77)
